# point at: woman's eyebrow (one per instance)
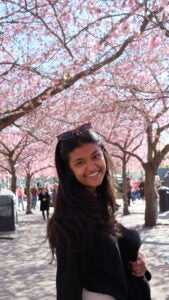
(93, 153)
(79, 158)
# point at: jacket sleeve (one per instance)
(129, 247)
(70, 274)
(129, 243)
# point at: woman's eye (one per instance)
(79, 163)
(98, 156)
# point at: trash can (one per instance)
(7, 213)
(164, 198)
(167, 199)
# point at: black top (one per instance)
(44, 201)
(98, 266)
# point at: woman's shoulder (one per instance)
(74, 244)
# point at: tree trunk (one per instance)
(124, 188)
(13, 182)
(28, 194)
(150, 198)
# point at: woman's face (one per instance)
(88, 165)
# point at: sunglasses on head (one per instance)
(75, 132)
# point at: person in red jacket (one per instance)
(20, 196)
(136, 190)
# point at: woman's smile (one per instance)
(94, 174)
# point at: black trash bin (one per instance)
(167, 199)
(7, 213)
(164, 198)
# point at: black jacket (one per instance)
(129, 244)
(44, 201)
(99, 267)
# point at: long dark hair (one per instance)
(76, 209)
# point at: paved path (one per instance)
(26, 272)
(25, 269)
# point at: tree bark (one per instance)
(28, 194)
(13, 182)
(124, 188)
(150, 198)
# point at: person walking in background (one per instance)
(93, 250)
(20, 196)
(157, 181)
(47, 187)
(129, 191)
(166, 179)
(44, 202)
(34, 196)
(136, 190)
(54, 193)
(141, 186)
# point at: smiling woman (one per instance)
(93, 251)
(88, 165)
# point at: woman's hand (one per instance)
(138, 267)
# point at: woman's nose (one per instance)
(91, 165)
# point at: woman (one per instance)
(96, 257)
(44, 198)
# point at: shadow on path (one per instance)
(25, 269)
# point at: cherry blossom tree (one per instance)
(123, 140)
(23, 156)
(11, 148)
(145, 143)
(30, 172)
(67, 62)
(18, 149)
(49, 46)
